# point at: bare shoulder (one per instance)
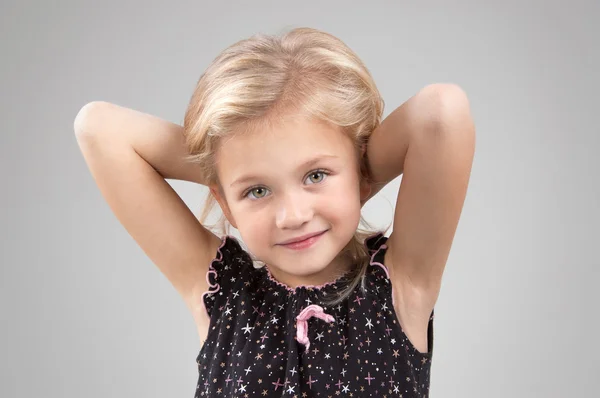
(412, 305)
(194, 300)
(193, 297)
(124, 150)
(430, 200)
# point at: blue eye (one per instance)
(259, 192)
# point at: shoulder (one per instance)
(412, 307)
(377, 246)
(419, 302)
(230, 258)
(231, 267)
(231, 274)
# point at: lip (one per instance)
(302, 238)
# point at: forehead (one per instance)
(282, 146)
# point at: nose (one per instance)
(293, 210)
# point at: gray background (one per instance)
(85, 313)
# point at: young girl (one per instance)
(286, 132)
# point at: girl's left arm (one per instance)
(430, 139)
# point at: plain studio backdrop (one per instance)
(84, 312)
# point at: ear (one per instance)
(216, 191)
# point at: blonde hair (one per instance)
(260, 80)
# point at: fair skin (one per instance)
(429, 139)
(284, 197)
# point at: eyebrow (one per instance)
(304, 165)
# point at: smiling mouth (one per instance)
(305, 242)
(302, 238)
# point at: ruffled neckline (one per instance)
(326, 288)
(332, 285)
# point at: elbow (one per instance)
(82, 125)
(448, 108)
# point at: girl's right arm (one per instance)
(130, 154)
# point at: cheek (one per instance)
(342, 203)
(254, 229)
(259, 235)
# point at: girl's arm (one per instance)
(388, 143)
(129, 154)
(430, 139)
(158, 141)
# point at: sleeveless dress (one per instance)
(266, 339)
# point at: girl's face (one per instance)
(285, 182)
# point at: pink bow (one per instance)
(302, 322)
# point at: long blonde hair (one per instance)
(259, 80)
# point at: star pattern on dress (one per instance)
(255, 346)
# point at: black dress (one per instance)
(266, 339)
